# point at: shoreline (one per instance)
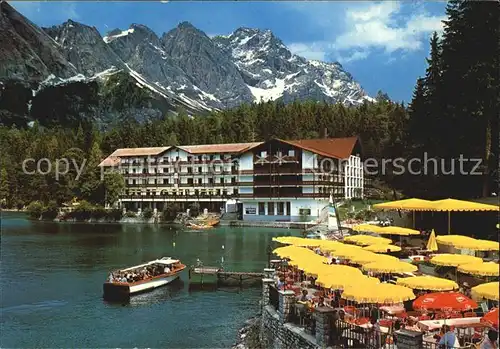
(157, 221)
(248, 335)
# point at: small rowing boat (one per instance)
(123, 283)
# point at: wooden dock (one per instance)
(221, 276)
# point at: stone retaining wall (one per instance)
(278, 335)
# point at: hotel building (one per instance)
(276, 180)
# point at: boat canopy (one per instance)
(164, 260)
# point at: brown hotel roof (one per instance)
(339, 148)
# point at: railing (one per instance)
(349, 335)
(178, 196)
(274, 297)
(302, 316)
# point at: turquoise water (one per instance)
(52, 274)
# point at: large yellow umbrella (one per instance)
(290, 251)
(392, 230)
(487, 291)
(382, 248)
(389, 267)
(449, 205)
(367, 228)
(370, 257)
(466, 242)
(482, 269)
(427, 282)
(365, 240)
(297, 241)
(342, 281)
(378, 293)
(454, 260)
(406, 204)
(432, 243)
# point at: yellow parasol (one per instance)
(382, 248)
(406, 204)
(365, 240)
(370, 257)
(427, 282)
(482, 269)
(378, 293)
(297, 241)
(389, 267)
(487, 291)
(342, 281)
(398, 231)
(367, 228)
(466, 242)
(432, 243)
(454, 260)
(450, 205)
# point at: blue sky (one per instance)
(382, 44)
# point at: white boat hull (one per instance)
(152, 284)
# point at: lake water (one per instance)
(52, 275)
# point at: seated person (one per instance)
(305, 297)
(281, 283)
(321, 302)
(448, 339)
(490, 342)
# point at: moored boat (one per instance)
(123, 283)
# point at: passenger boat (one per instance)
(122, 284)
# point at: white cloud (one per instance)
(390, 26)
(383, 26)
(354, 56)
(314, 51)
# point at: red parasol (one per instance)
(491, 317)
(445, 301)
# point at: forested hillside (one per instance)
(454, 113)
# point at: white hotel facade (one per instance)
(277, 180)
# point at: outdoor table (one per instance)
(429, 325)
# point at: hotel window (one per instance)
(291, 152)
(199, 169)
(263, 154)
(281, 208)
(133, 181)
(190, 170)
(165, 181)
(262, 208)
(200, 180)
(270, 208)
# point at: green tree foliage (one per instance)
(454, 111)
(114, 184)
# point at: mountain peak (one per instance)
(186, 25)
(185, 66)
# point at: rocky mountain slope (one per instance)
(184, 66)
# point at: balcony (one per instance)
(287, 195)
(177, 196)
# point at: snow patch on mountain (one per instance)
(108, 39)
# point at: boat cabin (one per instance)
(154, 269)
